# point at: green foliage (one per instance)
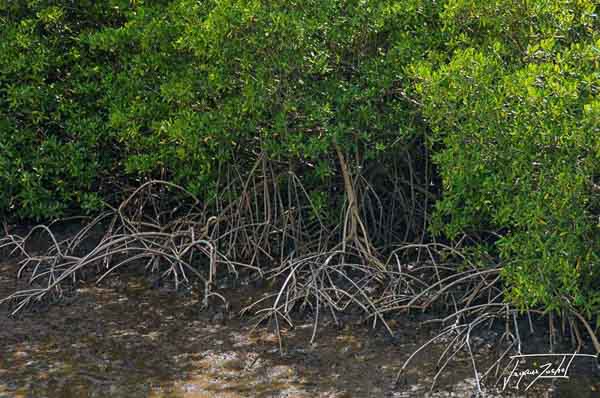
(53, 146)
(514, 111)
(184, 87)
(505, 93)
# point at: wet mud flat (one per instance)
(126, 338)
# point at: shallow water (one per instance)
(125, 339)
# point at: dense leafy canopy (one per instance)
(504, 94)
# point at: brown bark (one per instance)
(354, 229)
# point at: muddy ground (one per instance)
(129, 338)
